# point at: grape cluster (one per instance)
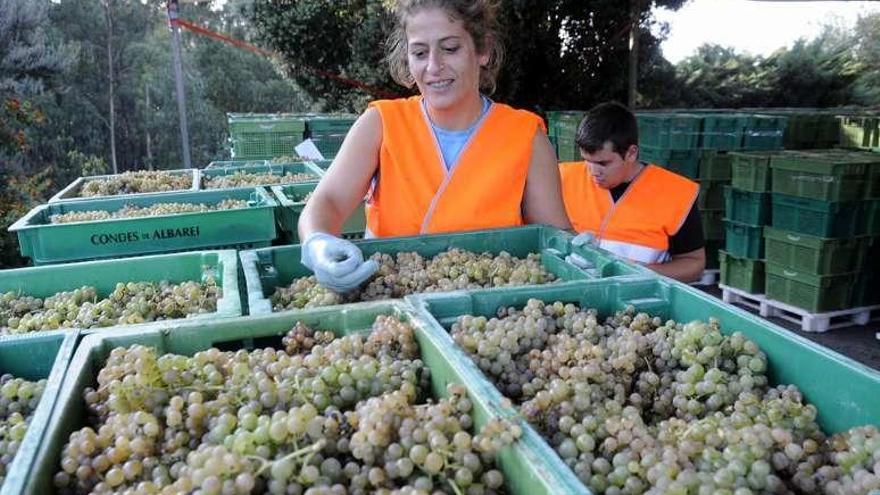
(634, 404)
(410, 273)
(134, 211)
(18, 400)
(128, 303)
(241, 178)
(326, 415)
(142, 181)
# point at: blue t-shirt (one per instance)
(453, 142)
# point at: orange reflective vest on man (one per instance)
(638, 226)
(414, 194)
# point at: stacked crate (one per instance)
(824, 210)
(746, 212)
(562, 130)
(328, 131)
(265, 136)
(671, 140)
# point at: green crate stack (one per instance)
(806, 128)
(746, 212)
(676, 131)
(562, 129)
(822, 215)
(723, 131)
(714, 170)
(684, 162)
(764, 132)
(265, 136)
(746, 215)
(328, 131)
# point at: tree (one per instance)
(28, 63)
(563, 54)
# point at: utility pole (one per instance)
(172, 7)
(635, 15)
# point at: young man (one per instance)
(636, 210)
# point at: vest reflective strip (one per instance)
(635, 252)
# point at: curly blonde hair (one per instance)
(480, 19)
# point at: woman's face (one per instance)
(443, 59)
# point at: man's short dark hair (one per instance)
(608, 121)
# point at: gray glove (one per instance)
(337, 263)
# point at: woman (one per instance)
(447, 160)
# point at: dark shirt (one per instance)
(688, 238)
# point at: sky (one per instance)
(756, 27)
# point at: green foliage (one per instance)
(585, 65)
(87, 165)
(839, 67)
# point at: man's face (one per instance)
(608, 168)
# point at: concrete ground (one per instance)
(857, 342)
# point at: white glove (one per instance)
(337, 263)
(583, 238)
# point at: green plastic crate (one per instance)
(742, 273)
(744, 240)
(872, 190)
(270, 268)
(330, 121)
(291, 203)
(861, 132)
(865, 292)
(818, 176)
(715, 165)
(818, 218)
(46, 243)
(524, 463)
(568, 149)
(45, 281)
(72, 191)
(237, 163)
(265, 136)
(711, 195)
(812, 254)
(871, 217)
(713, 225)
(814, 293)
(684, 162)
(34, 357)
(746, 206)
(277, 169)
(723, 131)
(750, 171)
(672, 130)
(328, 143)
(816, 370)
(764, 132)
(713, 249)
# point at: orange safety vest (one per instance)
(638, 226)
(415, 194)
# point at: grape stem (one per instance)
(307, 451)
(455, 487)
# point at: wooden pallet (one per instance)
(732, 295)
(809, 322)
